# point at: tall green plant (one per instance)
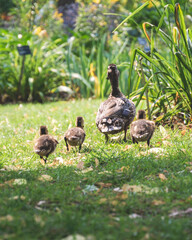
(168, 69)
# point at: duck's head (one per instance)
(43, 130)
(112, 71)
(80, 122)
(141, 114)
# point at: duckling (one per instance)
(142, 130)
(75, 136)
(45, 144)
(117, 112)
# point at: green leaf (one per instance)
(132, 14)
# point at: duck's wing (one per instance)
(116, 107)
(115, 114)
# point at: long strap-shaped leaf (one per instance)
(181, 25)
(132, 14)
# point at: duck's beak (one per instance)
(108, 72)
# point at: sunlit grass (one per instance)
(68, 206)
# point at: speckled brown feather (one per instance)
(142, 130)
(75, 136)
(45, 144)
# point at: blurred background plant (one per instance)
(167, 72)
(72, 43)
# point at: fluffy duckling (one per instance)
(117, 112)
(142, 130)
(45, 144)
(75, 136)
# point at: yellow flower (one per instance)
(57, 15)
(114, 1)
(102, 23)
(115, 37)
(157, 3)
(96, 1)
(43, 34)
(37, 30)
(40, 32)
(93, 8)
(97, 85)
(150, 5)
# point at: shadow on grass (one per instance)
(61, 205)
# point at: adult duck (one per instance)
(117, 112)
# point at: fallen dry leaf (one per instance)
(127, 147)
(123, 169)
(115, 202)
(139, 189)
(7, 218)
(183, 132)
(167, 143)
(156, 150)
(121, 196)
(189, 168)
(10, 183)
(17, 197)
(80, 165)
(162, 176)
(147, 236)
(189, 163)
(58, 160)
(13, 167)
(87, 170)
(159, 151)
(20, 181)
(102, 200)
(105, 172)
(157, 202)
(150, 177)
(189, 198)
(45, 178)
(101, 184)
(167, 137)
(38, 219)
(96, 162)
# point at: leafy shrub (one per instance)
(168, 73)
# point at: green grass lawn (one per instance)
(117, 191)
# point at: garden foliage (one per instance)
(151, 38)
